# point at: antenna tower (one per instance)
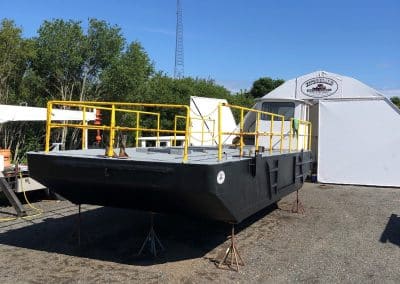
(179, 63)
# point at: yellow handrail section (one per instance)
(303, 132)
(203, 122)
(114, 108)
(269, 130)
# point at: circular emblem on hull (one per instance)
(319, 87)
(221, 177)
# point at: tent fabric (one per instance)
(356, 129)
(346, 88)
(358, 143)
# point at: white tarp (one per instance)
(359, 143)
(24, 113)
(204, 121)
(321, 85)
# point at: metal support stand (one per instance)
(236, 259)
(12, 198)
(297, 205)
(152, 240)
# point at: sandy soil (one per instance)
(347, 234)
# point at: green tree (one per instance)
(126, 78)
(60, 57)
(15, 56)
(396, 101)
(104, 44)
(264, 85)
(69, 62)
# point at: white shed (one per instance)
(356, 130)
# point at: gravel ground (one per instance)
(347, 234)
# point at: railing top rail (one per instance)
(301, 121)
(253, 110)
(95, 104)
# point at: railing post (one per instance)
(112, 132)
(137, 128)
(190, 130)
(158, 131)
(187, 134)
(48, 126)
(220, 132)
(241, 132)
(271, 134)
(84, 129)
(175, 124)
(257, 129)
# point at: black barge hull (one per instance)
(245, 186)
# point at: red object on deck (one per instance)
(97, 121)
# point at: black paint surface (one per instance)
(250, 184)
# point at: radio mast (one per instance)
(179, 62)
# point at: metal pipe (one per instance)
(187, 134)
(175, 122)
(112, 133)
(158, 131)
(257, 129)
(137, 128)
(271, 134)
(48, 126)
(84, 130)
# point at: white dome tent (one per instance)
(356, 130)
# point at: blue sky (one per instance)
(237, 41)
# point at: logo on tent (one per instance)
(319, 87)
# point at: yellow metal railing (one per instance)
(302, 133)
(114, 108)
(202, 132)
(304, 127)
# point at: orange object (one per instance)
(7, 156)
(98, 122)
